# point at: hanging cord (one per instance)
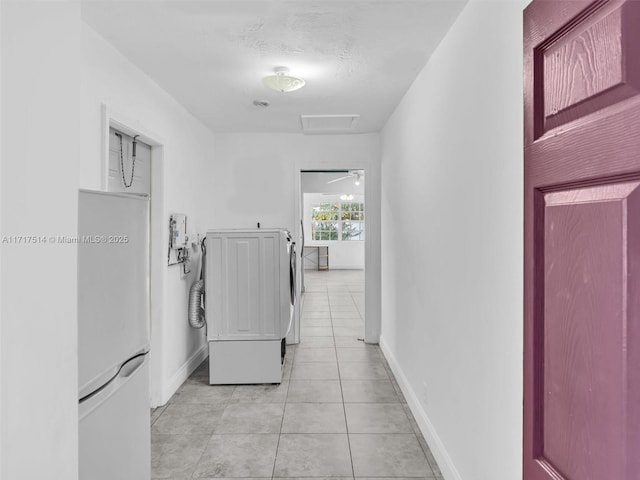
(203, 263)
(133, 166)
(184, 259)
(203, 249)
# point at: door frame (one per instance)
(157, 252)
(372, 244)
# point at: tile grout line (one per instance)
(340, 384)
(344, 408)
(284, 409)
(164, 408)
(195, 466)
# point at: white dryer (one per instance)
(250, 299)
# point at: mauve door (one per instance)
(582, 240)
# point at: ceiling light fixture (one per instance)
(357, 179)
(346, 197)
(282, 81)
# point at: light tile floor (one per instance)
(338, 413)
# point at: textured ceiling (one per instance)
(358, 56)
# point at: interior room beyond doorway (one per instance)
(333, 219)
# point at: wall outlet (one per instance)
(424, 396)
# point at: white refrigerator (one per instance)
(113, 336)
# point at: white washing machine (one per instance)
(250, 303)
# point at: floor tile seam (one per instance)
(315, 362)
(314, 348)
(395, 434)
(307, 433)
(195, 466)
(315, 403)
(344, 412)
(392, 377)
(284, 409)
(324, 348)
(238, 434)
(164, 409)
(286, 397)
(357, 308)
(426, 455)
(223, 404)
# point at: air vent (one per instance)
(329, 123)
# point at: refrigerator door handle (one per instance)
(113, 430)
(94, 400)
(131, 366)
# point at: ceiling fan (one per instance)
(357, 174)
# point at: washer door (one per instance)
(292, 272)
(292, 285)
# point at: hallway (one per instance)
(338, 412)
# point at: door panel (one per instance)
(580, 58)
(584, 325)
(588, 65)
(582, 240)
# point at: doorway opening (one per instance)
(115, 173)
(332, 235)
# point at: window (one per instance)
(352, 221)
(338, 221)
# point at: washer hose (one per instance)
(197, 317)
(196, 312)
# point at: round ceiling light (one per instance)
(282, 81)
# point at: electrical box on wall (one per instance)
(178, 241)
(178, 230)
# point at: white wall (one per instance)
(256, 178)
(182, 180)
(2, 412)
(255, 173)
(40, 122)
(452, 282)
(347, 255)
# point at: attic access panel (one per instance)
(328, 123)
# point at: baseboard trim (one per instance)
(445, 462)
(188, 367)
